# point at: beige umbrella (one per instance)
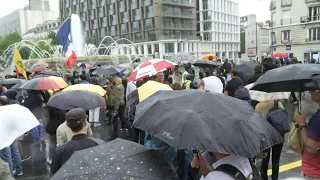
(261, 96)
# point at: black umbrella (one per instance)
(210, 122)
(287, 78)
(47, 73)
(76, 99)
(245, 70)
(205, 64)
(12, 81)
(18, 86)
(118, 159)
(108, 71)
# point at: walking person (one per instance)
(117, 100)
(265, 109)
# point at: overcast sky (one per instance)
(259, 7)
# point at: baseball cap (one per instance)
(76, 114)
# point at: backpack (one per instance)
(279, 119)
(237, 174)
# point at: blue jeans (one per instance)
(11, 155)
(38, 132)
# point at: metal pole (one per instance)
(257, 39)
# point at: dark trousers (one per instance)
(124, 122)
(138, 136)
(276, 153)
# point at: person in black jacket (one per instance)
(77, 122)
(258, 71)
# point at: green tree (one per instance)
(25, 53)
(242, 42)
(8, 40)
(53, 38)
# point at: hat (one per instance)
(243, 94)
(76, 114)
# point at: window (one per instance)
(206, 4)
(273, 38)
(206, 15)
(149, 11)
(169, 47)
(136, 14)
(125, 17)
(286, 35)
(113, 19)
(135, 26)
(207, 36)
(134, 4)
(207, 26)
(314, 13)
(121, 6)
(314, 34)
(148, 24)
(123, 29)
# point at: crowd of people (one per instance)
(73, 130)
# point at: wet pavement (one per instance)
(37, 168)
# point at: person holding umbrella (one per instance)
(310, 133)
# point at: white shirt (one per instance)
(241, 163)
(213, 84)
(130, 88)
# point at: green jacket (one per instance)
(116, 96)
(4, 171)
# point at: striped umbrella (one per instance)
(45, 83)
(150, 68)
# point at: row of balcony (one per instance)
(284, 3)
(303, 19)
(288, 3)
(314, 39)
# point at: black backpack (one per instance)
(279, 119)
(237, 174)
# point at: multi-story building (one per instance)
(22, 20)
(257, 38)
(41, 31)
(163, 27)
(136, 20)
(295, 28)
(218, 22)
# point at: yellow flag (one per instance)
(19, 64)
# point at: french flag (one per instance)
(63, 35)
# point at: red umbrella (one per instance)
(283, 55)
(39, 69)
(150, 68)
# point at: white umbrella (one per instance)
(15, 120)
(261, 96)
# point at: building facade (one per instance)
(22, 20)
(41, 31)
(162, 27)
(218, 22)
(257, 38)
(295, 28)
